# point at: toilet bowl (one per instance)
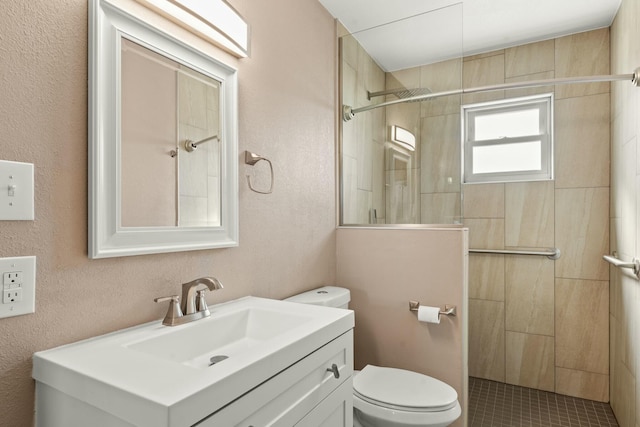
(390, 397)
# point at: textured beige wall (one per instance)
(536, 322)
(624, 308)
(385, 268)
(287, 239)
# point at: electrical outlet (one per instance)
(13, 278)
(18, 286)
(12, 296)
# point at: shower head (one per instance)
(401, 93)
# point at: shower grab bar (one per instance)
(617, 262)
(553, 253)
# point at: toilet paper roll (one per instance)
(429, 314)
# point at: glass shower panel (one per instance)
(383, 181)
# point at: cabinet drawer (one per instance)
(287, 397)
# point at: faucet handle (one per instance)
(201, 303)
(174, 312)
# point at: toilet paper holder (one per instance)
(449, 310)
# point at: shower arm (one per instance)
(349, 113)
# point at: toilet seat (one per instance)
(403, 390)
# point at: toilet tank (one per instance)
(329, 296)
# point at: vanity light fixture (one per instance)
(403, 137)
(214, 20)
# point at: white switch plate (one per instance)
(18, 296)
(16, 191)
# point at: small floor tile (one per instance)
(494, 404)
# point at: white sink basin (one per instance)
(154, 375)
(228, 334)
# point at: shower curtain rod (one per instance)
(349, 113)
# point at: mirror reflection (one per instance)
(170, 144)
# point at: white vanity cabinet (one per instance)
(287, 364)
(305, 394)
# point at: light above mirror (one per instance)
(149, 94)
(215, 20)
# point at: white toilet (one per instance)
(390, 397)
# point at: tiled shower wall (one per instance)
(436, 124)
(433, 195)
(625, 212)
(533, 321)
(363, 138)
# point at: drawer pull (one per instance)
(334, 369)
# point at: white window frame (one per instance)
(544, 103)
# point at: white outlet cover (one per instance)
(27, 266)
(16, 191)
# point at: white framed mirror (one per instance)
(162, 141)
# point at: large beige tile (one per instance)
(440, 154)
(349, 201)
(483, 201)
(440, 208)
(615, 292)
(348, 84)
(583, 54)
(582, 141)
(378, 184)
(582, 233)
(486, 340)
(529, 361)
(402, 200)
(625, 204)
(349, 50)
(380, 133)
(585, 385)
(623, 396)
(628, 319)
(613, 358)
(484, 55)
(365, 147)
(529, 214)
(529, 294)
(440, 77)
(484, 71)
(485, 233)
(530, 58)
(365, 204)
(486, 277)
(582, 325)
(534, 90)
(403, 79)
(624, 34)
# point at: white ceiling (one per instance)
(402, 34)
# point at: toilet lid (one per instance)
(401, 388)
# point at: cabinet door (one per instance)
(286, 398)
(334, 411)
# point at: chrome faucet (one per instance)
(194, 305)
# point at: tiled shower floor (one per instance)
(493, 404)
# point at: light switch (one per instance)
(16, 191)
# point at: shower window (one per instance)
(508, 140)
